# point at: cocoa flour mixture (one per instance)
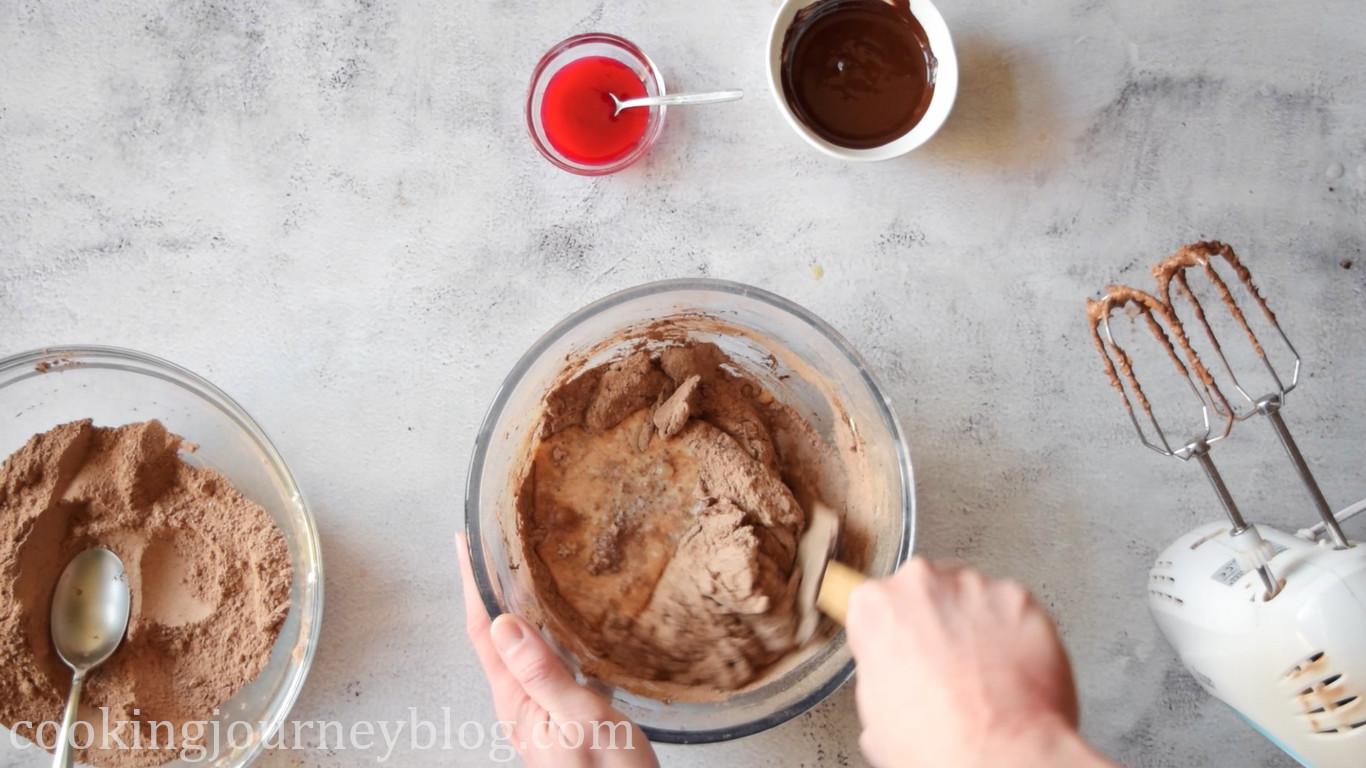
(209, 572)
(660, 517)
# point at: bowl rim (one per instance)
(109, 357)
(946, 86)
(647, 141)
(885, 410)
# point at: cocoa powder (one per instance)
(209, 572)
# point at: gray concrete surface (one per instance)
(332, 210)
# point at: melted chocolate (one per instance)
(859, 73)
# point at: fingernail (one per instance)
(507, 633)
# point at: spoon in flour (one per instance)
(89, 616)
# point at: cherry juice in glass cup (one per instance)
(570, 113)
(578, 112)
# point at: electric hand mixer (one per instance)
(1273, 624)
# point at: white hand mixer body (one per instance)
(1293, 666)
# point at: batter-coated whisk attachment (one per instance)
(1175, 271)
(1119, 367)
(1216, 412)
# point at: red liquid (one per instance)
(576, 110)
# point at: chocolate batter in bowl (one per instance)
(43, 390)
(672, 425)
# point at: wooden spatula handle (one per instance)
(833, 599)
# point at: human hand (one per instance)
(552, 720)
(956, 670)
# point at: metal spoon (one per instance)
(675, 99)
(89, 616)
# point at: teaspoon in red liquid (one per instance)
(675, 100)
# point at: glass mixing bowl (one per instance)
(44, 388)
(767, 323)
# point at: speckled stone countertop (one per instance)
(332, 210)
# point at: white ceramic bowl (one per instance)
(945, 73)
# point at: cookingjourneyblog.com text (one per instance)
(202, 741)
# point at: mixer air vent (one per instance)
(1167, 597)
(1160, 585)
(1299, 668)
(1324, 698)
(1207, 538)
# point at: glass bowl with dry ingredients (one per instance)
(117, 448)
(641, 479)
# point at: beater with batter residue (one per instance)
(1173, 271)
(1160, 320)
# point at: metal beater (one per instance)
(1163, 324)
(1173, 271)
